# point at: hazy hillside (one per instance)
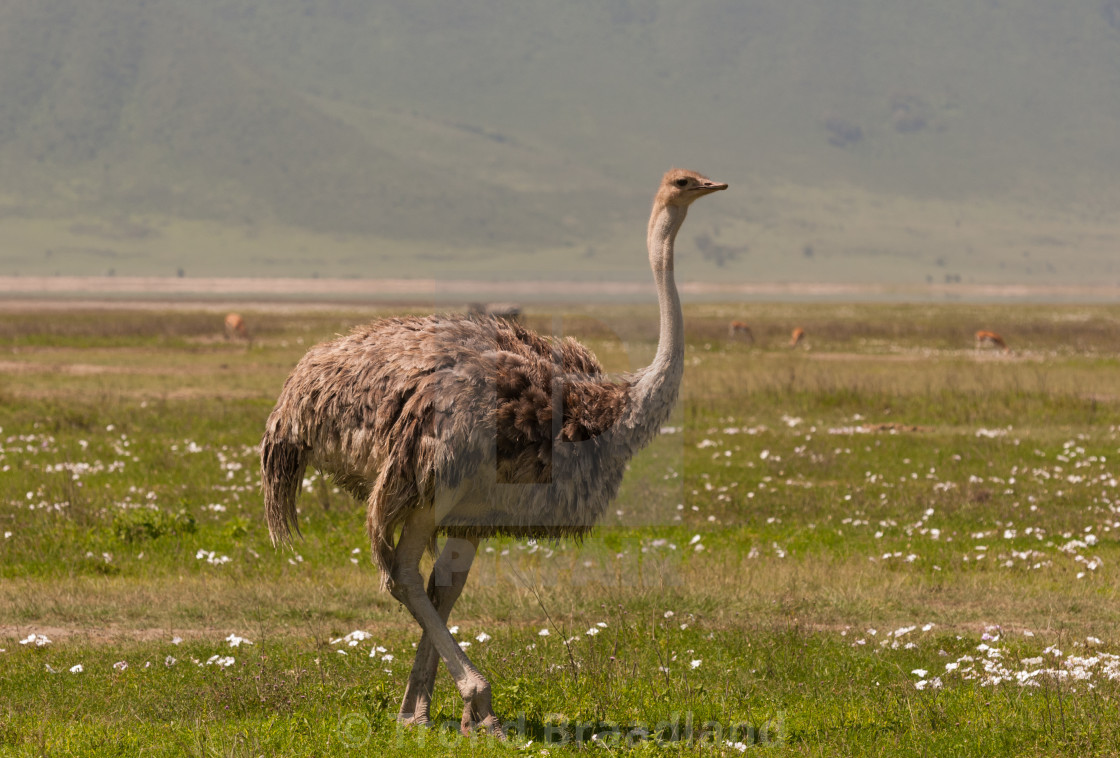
(141, 108)
(864, 140)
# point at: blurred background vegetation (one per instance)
(864, 141)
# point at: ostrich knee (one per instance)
(404, 583)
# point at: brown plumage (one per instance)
(406, 406)
(471, 426)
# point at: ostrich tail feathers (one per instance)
(282, 466)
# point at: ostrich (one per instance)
(471, 427)
(797, 337)
(235, 327)
(986, 339)
(740, 329)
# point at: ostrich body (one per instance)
(986, 339)
(471, 427)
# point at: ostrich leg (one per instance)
(449, 574)
(407, 586)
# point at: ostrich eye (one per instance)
(681, 182)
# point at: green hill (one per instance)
(865, 140)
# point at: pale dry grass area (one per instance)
(726, 590)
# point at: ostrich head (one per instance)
(680, 187)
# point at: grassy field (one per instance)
(880, 543)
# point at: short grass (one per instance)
(882, 544)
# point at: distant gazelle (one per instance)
(986, 339)
(472, 427)
(740, 329)
(796, 338)
(508, 311)
(235, 327)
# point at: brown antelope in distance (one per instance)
(508, 311)
(235, 328)
(986, 339)
(740, 329)
(797, 337)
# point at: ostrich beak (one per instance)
(707, 187)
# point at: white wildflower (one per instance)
(38, 640)
(211, 557)
(353, 638)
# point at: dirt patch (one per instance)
(892, 427)
(91, 369)
(124, 289)
(75, 369)
(105, 634)
(115, 633)
(864, 357)
(921, 356)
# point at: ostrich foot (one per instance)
(477, 712)
(420, 718)
(416, 706)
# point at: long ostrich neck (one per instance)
(655, 391)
